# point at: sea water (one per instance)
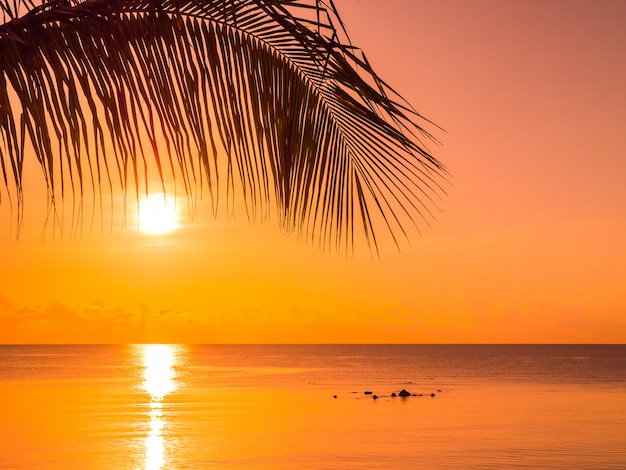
(158, 407)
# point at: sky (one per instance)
(528, 247)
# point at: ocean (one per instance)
(162, 407)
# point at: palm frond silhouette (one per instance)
(269, 94)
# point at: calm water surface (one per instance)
(158, 407)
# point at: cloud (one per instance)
(92, 323)
(97, 322)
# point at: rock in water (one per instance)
(404, 393)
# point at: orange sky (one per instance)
(529, 246)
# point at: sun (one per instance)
(157, 214)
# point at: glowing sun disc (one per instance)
(157, 214)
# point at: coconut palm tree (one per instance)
(266, 98)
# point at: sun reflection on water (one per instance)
(159, 374)
(159, 380)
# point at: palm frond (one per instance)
(270, 92)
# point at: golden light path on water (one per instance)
(159, 380)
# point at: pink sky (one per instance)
(529, 245)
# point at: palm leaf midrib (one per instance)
(294, 104)
(55, 14)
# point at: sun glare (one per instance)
(157, 214)
(159, 377)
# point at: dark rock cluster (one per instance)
(402, 393)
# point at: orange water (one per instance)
(272, 407)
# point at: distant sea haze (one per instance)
(305, 407)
